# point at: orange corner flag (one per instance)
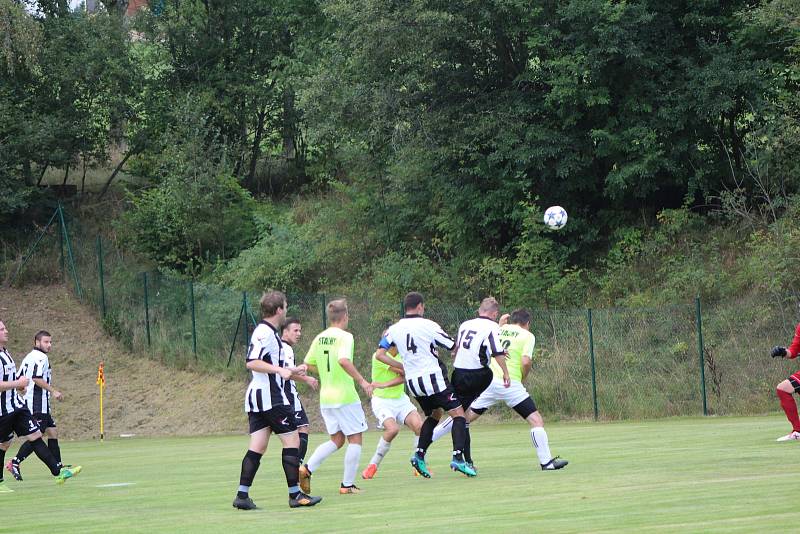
(101, 377)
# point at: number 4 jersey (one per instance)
(417, 339)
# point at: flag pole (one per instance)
(101, 381)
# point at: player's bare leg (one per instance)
(785, 391)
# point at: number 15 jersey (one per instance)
(417, 339)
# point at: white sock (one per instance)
(351, 458)
(539, 439)
(416, 442)
(320, 453)
(443, 428)
(380, 452)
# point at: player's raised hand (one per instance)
(779, 352)
(504, 319)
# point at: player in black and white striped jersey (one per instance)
(478, 342)
(268, 407)
(290, 336)
(16, 419)
(417, 339)
(36, 367)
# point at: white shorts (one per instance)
(398, 409)
(348, 419)
(495, 393)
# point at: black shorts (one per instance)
(447, 400)
(280, 419)
(44, 420)
(470, 383)
(20, 423)
(300, 417)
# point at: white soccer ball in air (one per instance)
(555, 217)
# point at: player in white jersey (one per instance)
(478, 343)
(36, 367)
(267, 406)
(16, 419)
(290, 335)
(519, 342)
(417, 339)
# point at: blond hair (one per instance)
(337, 310)
(489, 305)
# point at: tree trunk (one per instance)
(114, 174)
(255, 153)
(66, 176)
(289, 126)
(83, 178)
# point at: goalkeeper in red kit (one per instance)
(789, 386)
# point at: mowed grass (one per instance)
(687, 475)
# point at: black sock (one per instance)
(426, 436)
(46, 456)
(52, 444)
(250, 464)
(2, 463)
(459, 434)
(24, 451)
(291, 465)
(303, 446)
(467, 445)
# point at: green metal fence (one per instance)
(613, 363)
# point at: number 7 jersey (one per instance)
(336, 388)
(417, 339)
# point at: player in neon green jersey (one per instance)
(519, 342)
(331, 357)
(391, 407)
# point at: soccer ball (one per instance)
(555, 217)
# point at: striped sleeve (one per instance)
(442, 339)
(493, 343)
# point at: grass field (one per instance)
(687, 475)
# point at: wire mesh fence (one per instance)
(614, 363)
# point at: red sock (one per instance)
(790, 408)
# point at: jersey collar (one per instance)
(411, 315)
(264, 321)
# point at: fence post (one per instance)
(242, 311)
(246, 330)
(194, 324)
(146, 308)
(591, 359)
(101, 273)
(324, 312)
(701, 351)
(63, 222)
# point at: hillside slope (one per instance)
(142, 396)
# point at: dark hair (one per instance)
(271, 302)
(520, 316)
(290, 321)
(412, 300)
(40, 334)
